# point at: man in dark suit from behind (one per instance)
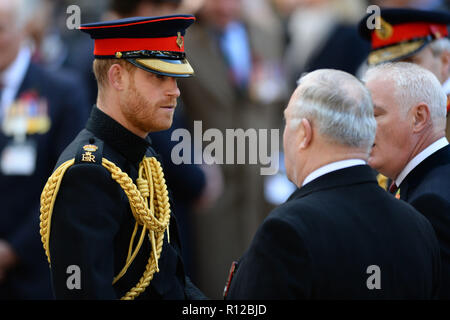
(339, 235)
(410, 145)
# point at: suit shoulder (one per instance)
(310, 206)
(435, 181)
(435, 168)
(296, 212)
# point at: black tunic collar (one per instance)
(118, 137)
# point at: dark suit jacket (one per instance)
(427, 188)
(92, 222)
(320, 243)
(20, 194)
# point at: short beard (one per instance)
(133, 105)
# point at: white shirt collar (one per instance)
(446, 86)
(332, 167)
(425, 153)
(13, 76)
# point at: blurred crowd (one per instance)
(247, 56)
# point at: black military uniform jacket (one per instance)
(92, 223)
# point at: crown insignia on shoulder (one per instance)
(88, 156)
(90, 147)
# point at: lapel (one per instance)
(343, 177)
(416, 176)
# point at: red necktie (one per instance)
(393, 188)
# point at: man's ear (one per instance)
(307, 133)
(421, 117)
(117, 76)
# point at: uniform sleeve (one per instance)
(276, 266)
(85, 220)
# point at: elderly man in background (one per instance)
(410, 146)
(412, 35)
(40, 113)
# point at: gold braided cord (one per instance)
(48, 197)
(131, 253)
(149, 203)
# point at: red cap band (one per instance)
(109, 47)
(409, 31)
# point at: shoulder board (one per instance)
(90, 151)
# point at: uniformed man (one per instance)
(411, 35)
(106, 222)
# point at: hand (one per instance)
(8, 258)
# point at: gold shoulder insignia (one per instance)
(88, 156)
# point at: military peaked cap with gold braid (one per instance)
(402, 32)
(155, 44)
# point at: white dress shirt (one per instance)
(13, 77)
(425, 153)
(334, 166)
(446, 86)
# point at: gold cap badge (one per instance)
(385, 31)
(180, 40)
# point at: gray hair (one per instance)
(413, 85)
(339, 105)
